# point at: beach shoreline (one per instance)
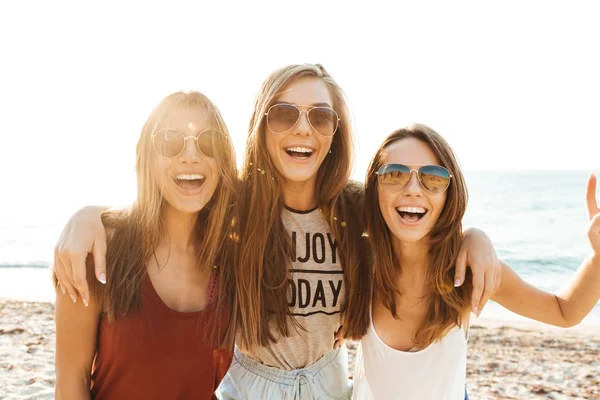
(507, 359)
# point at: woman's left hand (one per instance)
(478, 253)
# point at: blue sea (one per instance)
(536, 219)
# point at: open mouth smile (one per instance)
(189, 181)
(411, 215)
(299, 152)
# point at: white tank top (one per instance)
(437, 372)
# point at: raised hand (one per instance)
(593, 214)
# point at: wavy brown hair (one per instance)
(447, 305)
(139, 228)
(265, 250)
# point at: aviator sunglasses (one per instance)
(171, 142)
(283, 116)
(432, 178)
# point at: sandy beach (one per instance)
(507, 360)
(27, 343)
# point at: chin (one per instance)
(406, 236)
(189, 206)
(298, 176)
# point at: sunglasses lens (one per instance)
(434, 178)
(168, 142)
(323, 120)
(393, 176)
(282, 117)
(210, 141)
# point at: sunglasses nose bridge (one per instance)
(303, 125)
(411, 183)
(191, 152)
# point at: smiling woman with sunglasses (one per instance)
(160, 326)
(302, 260)
(416, 343)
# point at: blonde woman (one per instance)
(416, 344)
(303, 267)
(159, 327)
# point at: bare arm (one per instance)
(76, 335)
(569, 305)
(566, 308)
(83, 234)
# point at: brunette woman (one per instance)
(416, 343)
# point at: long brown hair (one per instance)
(446, 304)
(139, 228)
(265, 250)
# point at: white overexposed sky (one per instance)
(512, 85)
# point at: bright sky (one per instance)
(511, 85)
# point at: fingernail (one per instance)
(73, 297)
(102, 278)
(62, 288)
(457, 282)
(85, 302)
(476, 311)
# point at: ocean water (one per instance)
(536, 219)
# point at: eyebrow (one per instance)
(305, 105)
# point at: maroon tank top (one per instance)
(158, 353)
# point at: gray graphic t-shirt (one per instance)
(315, 294)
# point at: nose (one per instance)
(303, 127)
(413, 187)
(190, 153)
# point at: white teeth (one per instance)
(414, 210)
(299, 150)
(189, 177)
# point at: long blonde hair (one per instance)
(265, 251)
(446, 304)
(139, 228)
